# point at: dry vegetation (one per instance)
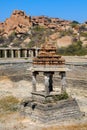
(69, 127)
(8, 104)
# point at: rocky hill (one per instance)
(21, 30)
(18, 22)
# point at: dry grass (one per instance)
(70, 127)
(8, 104)
(4, 78)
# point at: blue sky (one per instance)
(65, 9)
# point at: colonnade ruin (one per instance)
(18, 52)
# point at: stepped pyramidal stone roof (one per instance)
(47, 56)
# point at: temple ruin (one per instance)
(49, 104)
(49, 62)
(12, 52)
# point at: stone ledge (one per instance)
(49, 69)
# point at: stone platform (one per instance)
(42, 97)
(51, 111)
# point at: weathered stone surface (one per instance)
(64, 41)
(59, 111)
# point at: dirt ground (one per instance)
(12, 120)
(12, 92)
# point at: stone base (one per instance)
(42, 97)
(54, 111)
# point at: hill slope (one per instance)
(21, 30)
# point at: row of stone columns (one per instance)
(48, 81)
(18, 53)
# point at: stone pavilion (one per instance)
(48, 62)
(49, 105)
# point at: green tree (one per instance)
(74, 24)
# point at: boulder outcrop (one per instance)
(18, 22)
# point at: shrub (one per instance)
(1, 40)
(74, 49)
(74, 24)
(68, 32)
(61, 96)
(12, 36)
(31, 44)
(84, 34)
(38, 34)
(38, 28)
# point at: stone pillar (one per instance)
(31, 53)
(47, 83)
(12, 53)
(34, 82)
(19, 54)
(25, 53)
(63, 82)
(36, 53)
(5, 52)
